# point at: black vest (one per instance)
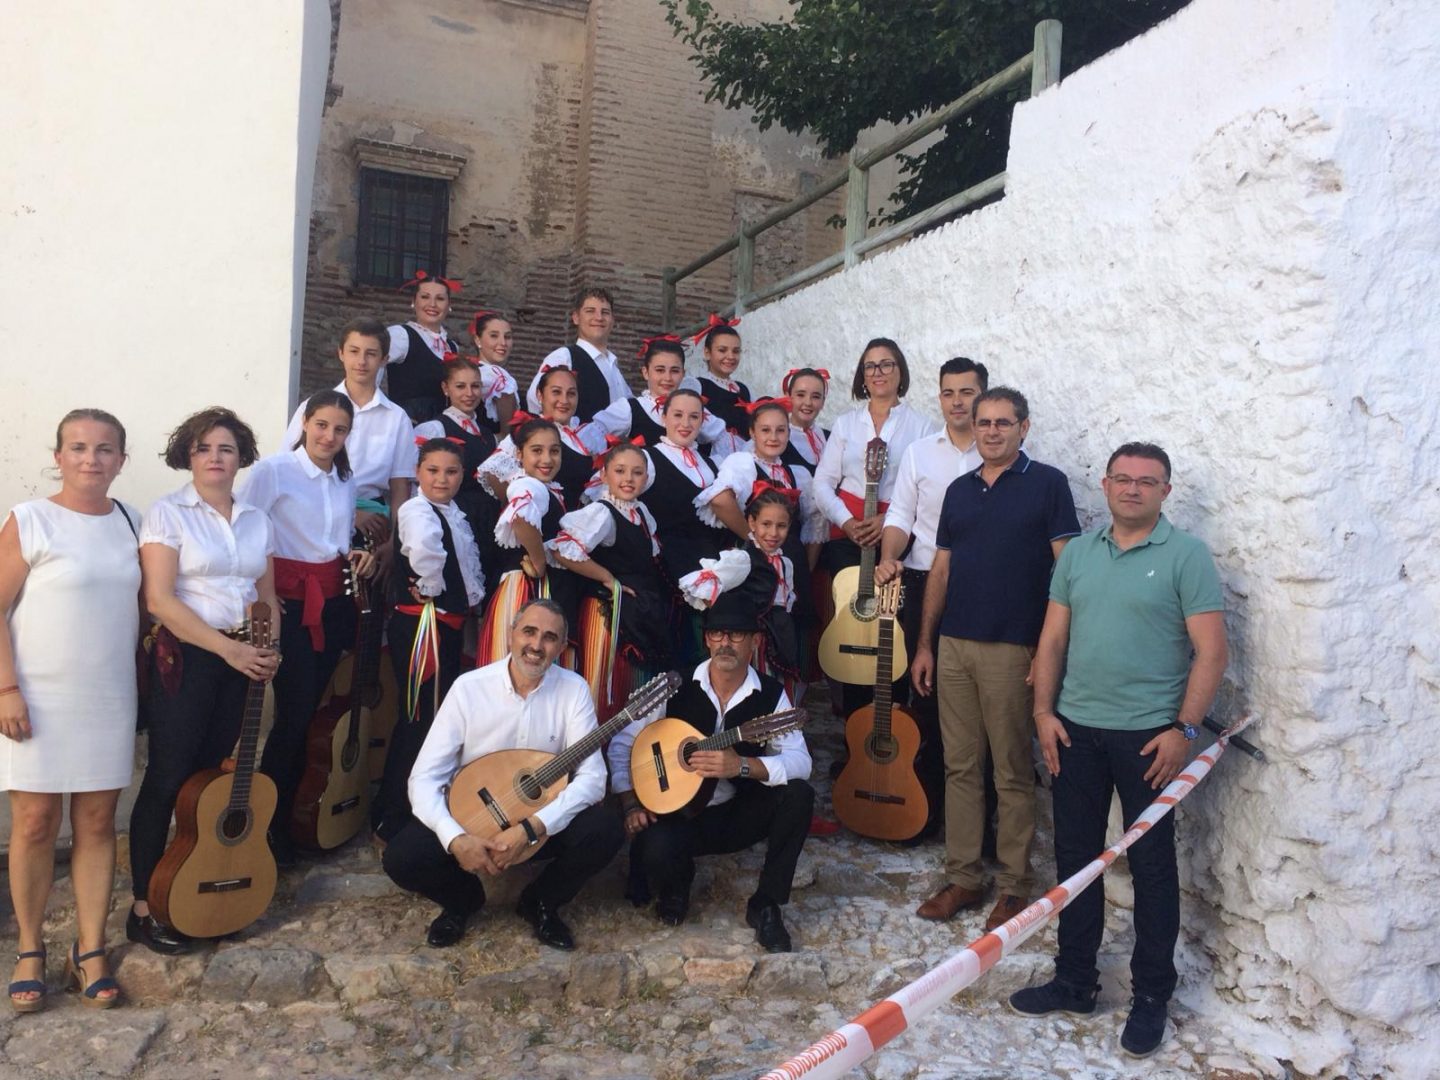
(454, 598)
(576, 468)
(590, 382)
(727, 405)
(414, 385)
(684, 538)
(693, 706)
(643, 424)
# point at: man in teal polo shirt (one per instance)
(1129, 659)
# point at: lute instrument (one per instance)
(664, 780)
(495, 791)
(878, 793)
(849, 647)
(332, 801)
(218, 876)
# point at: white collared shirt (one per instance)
(605, 361)
(381, 444)
(791, 760)
(423, 544)
(927, 469)
(842, 465)
(312, 512)
(484, 713)
(219, 560)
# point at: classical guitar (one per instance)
(385, 711)
(218, 876)
(850, 644)
(332, 802)
(660, 769)
(878, 793)
(493, 792)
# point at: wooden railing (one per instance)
(1041, 64)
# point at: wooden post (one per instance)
(667, 299)
(744, 271)
(857, 210)
(1045, 70)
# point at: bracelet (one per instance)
(9, 690)
(530, 831)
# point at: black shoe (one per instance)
(156, 936)
(447, 929)
(672, 907)
(769, 927)
(1054, 996)
(549, 928)
(1145, 1029)
(637, 888)
(282, 848)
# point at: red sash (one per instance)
(314, 583)
(453, 619)
(856, 505)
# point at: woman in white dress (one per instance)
(69, 587)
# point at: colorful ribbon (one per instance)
(424, 660)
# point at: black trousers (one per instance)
(191, 730)
(301, 680)
(778, 815)
(1100, 762)
(417, 863)
(390, 809)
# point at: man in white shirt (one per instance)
(597, 371)
(907, 546)
(521, 701)
(381, 444)
(757, 797)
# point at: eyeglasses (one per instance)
(880, 367)
(1148, 483)
(1001, 425)
(727, 635)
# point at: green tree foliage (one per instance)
(835, 67)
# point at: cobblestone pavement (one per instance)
(335, 981)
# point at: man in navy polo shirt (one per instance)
(1001, 529)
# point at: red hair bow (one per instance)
(645, 343)
(520, 416)
(790, 377)
(421, 440)
(475, 321)
(762, 486)
(611, 442)
(714, 323)
(752, 407)
(450, 284)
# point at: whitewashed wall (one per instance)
(155, 179)
(1223, 237)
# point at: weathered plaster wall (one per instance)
(1222, 237)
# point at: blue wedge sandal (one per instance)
(90, 995)
(29, 986)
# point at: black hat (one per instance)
(733, 610)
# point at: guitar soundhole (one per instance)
(881, 749)
(234, 826)
(864, 608)
(686, 749)
(349, 755)
(530, 787)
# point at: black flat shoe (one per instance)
(672, 908)
(769, 927)
(549, 928)
(156, 936)
(447, 929)
(283, 848)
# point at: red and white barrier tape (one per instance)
(845, 1048)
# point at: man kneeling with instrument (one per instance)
(524, 705)
(746, 798)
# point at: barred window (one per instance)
(403, 222)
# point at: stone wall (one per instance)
(1221, 237)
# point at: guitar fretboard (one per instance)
(649, 697)
(884, 657)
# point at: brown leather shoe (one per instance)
(1005, 909)
(952, 898)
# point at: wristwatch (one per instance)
(531, 837)
(1190, 732)
(744, 769)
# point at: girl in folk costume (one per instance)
(806, 388)
(531, 516)
(493, 336)
(724, 396)
(677, 477)
(766, 576)
(418, 348)
(438, 565)
(69, 590)
(206, 558)
(463, 422)
(579, 442)
(624, 629)
(309, 494)
(662, 363)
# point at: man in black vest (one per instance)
(756, 798)
(597, 371)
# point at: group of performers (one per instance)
(536, 562)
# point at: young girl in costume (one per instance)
(419, 346)
(579, 442)
(493, 335)
(662, 363)
(806, 388)
(725, 396)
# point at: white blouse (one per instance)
(809, 443)
(842, 465)
(381, 444)
(685, 458)
(528, 500)
(615, 418)
(219, 560)
(703, 587)
(438, 343)
(423, 544)
(593, 526)
(587, 438)
(737, 474)
(313, 512)
(434, 429)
